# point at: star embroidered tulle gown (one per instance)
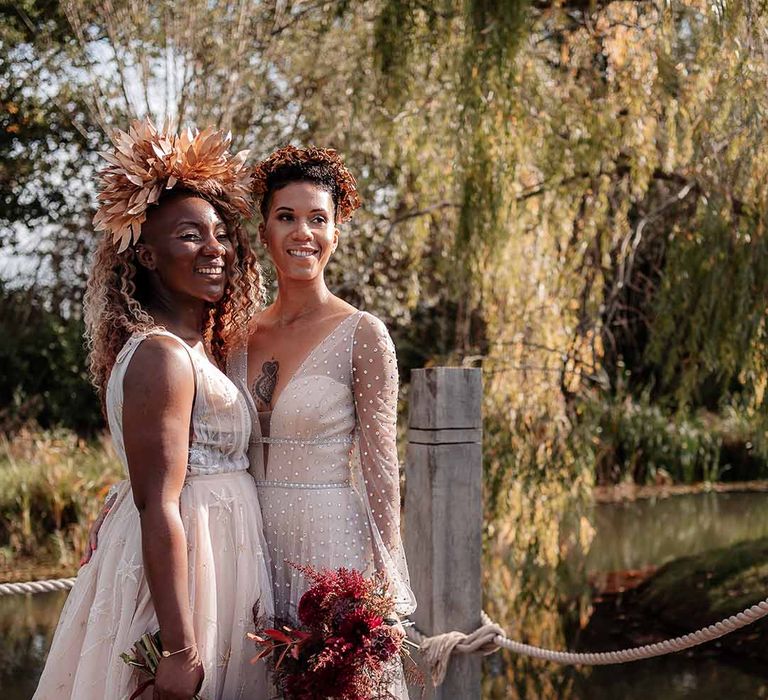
(110, 606)
(326, 466)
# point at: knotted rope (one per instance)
(58, 584)
(490, 637)
(436, 651)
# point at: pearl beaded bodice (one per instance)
(333, 427)
(313, 419)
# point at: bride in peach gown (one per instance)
(182, 549)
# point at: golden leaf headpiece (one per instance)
(347, 197)
(146, 162)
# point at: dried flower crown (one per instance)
(348, 198)
(147, 161)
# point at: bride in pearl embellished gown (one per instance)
(325, 462)
(320, 378)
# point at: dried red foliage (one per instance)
(347, 646)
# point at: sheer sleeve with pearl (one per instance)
(375, 389)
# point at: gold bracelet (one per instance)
(166, 654)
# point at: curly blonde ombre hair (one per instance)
(116, 296)
(146, 165)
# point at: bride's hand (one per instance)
(397, 624)
(93, 532)
(178, 677)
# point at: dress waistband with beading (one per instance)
(335, 440)
(275, 484)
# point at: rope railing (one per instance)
(490, 637)
(56, 584)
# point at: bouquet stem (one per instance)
(145, 655)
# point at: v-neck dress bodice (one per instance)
(312, 421)
(329, 486)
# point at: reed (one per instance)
(52, 484)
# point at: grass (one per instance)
(52, 485)
(641, 442)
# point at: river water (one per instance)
(26, 629)
(630, 535)
(652, 532)
(634, 534)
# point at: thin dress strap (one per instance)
(132, 344)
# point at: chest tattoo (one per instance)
(264, 386)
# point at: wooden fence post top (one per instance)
(446, 398)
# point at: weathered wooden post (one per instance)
(443, 513)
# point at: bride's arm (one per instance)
(159, 390)
(375, 388)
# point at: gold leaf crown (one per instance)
(347, 197)
(146, 162)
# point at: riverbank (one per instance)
(685, 595)
(24, 569)
(696, 591)
(633, 492)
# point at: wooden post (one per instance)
(444, 515)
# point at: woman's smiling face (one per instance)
(300, 232)
(186, 245)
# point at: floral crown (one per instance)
(146, 162)
(346, 188)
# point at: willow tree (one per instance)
(584, 183)
(44, 142)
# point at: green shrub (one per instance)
(642, 442)
(52, 485)
(44, 376)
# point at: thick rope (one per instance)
(490, 637)
(436, 651)
(58, 584)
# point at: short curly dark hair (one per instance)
(322, 167)
(318, 174)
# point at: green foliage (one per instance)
(710, 308)
(45, 136)
(482, 199)
(51, 488)
(44, 378)
(495, 30)
(537, 451)
(538, 479)
(643, 442)
(393, 40)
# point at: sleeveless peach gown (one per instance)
(110, 606)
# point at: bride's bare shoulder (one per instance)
(342, 308)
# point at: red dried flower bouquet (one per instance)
(348, 643)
